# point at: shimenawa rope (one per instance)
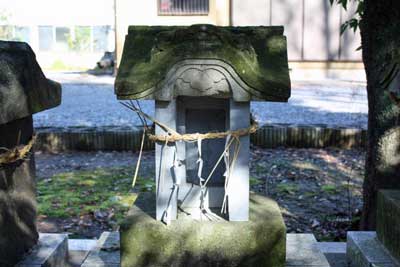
(17, 153)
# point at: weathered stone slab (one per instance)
(106, 253)
(364, 250)
(253, 59)
(388, 221)
(51, 251)
(24, 90)
(187, 242)
(302, 250)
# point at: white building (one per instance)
(64, 34)
(76, 33)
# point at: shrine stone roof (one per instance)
(24, 90)
(253, 60)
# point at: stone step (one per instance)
(302, 251)
(335, 253)
(79, 250)
(106, 252)
(364, 250)
(51, 251)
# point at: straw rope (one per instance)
(173, 136)
(17, 153)
(196, 136)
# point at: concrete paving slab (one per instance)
(77, 257)
(302, 250)
(51, 251)
(364, 250)
(106, 253)
(81, 244)
(332, 247)
(335, 253)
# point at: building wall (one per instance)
(139, 12)
(311, 26)
(26, 18)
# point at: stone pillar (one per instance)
(238, 187)
(165, 176)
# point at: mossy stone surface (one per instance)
(24, 90)
(18, 233)
(259, 242)
(388, 220)
(258, 55)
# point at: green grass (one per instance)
(254, 181)
(330, 189)
(287, 188)
(76, 193)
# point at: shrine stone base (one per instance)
(186, 242)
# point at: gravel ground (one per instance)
(318, 190)
(90, 101)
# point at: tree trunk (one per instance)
(380, 33)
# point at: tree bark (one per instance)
(380, 33)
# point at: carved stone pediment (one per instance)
(212, 78)
(243, 62)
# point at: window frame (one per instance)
(172, 13)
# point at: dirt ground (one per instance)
(318, 190)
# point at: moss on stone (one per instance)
(257, 54)
(259, 242)
(388, 220)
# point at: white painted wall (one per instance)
(57, 12)
(312, 27)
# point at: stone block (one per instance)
(186, 242)
(17, 195)
(302, 250)
(364, 250)
(388, 221)
(106, 253)
(51, 251)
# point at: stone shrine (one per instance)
(24, 90)
(202, 79)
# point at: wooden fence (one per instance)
(269, 136)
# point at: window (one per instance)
(62, 37)
(22, 34)
(46, 39)
(6, 32)
(183, 7)
(81, 40)
(15, 33)
(100, 38)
